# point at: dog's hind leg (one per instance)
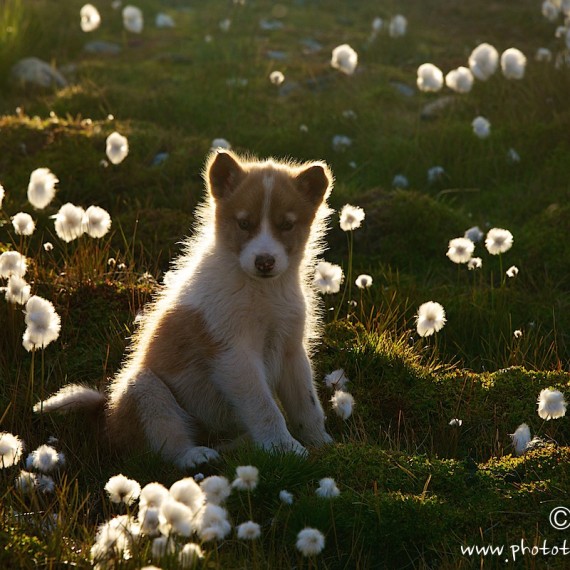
(168, 429)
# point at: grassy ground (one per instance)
(413, 488)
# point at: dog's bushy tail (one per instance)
(72, 397)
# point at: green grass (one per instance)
(413, 488)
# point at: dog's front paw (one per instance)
(316, 438)
(197, 455)
(288, 446)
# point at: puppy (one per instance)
(225, 347)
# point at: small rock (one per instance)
(38, 73)
(435, 108)
(102, 48)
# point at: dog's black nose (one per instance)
(265, 263)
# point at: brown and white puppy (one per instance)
(225, 347)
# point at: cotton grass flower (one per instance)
(45, 459)
(276, 77)
(23, 224)
(225, 25)
(521, 439)
(512, 271)
(543, 55)
(430, 78)
(336, 379)
(12, 263)
(498, 241)
(460, 250)
(351, 217)
(435, 174)
(327, 489)
(97, 221)
(517, 333)
(400, 181)
(214, 524)
(43, 323)
(176, 517)
(328, 277)
(216, 488)
(310, 541)
(481, 127)
(513, 63)
(133, 19)
(162, 546)
(26, 482)
(164, 21)
(248, 531)
(474, 234)
(430, 318)
(41, 188)
(551, 404)
(455, 422)
(115, 538)
(190, 555)
(220, 143)
(45, 484)
(342, 404)
(398, 26)
(247, 477)
(189, 493)
(460, 80)
(345, 59)
(2, 195)
(116, 147)
(90, 18)
(286, 497)
(70, 222)
(364, 281)
(149, 521)
(152, 495)
(121, 489)
(550, 10)
(341, 142)
(513, 156)
(11, 448)
(483, 61)
(474, 263)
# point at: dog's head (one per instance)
(264, 210)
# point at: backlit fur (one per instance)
(224, 349)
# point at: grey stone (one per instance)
(103, 48)
(35, 72)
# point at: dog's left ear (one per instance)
(315, 182)
(223, 174)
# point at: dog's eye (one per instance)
(244, 224)
(286, 225)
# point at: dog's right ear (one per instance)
(223, 174)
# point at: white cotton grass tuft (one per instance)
(341, 142)
(23, 224)
(189, 555)
(121, 489)
(498, 241)
(116, 147)
(377, 25)
(248, 531)
(11, 449)
(474, 263)
(26, 482)
(513, 63)
(163, 21)
(115, 538)
(430, 318)
(310, 541)
(430, 78)
(97, 221)
(474, 234)
(455, 422)
(247, 477)
(337, 379)
(342, 404)
(162, 546)
(221, 143)
(133, 20)
(286, 497)
(460, 80)
(45, 459)
(481, 127)
(328, 277)
(69, 222)
(148, 518)
(513, 157)
(12, 263)
(41, 188)
(400, 181)
(517, 333)
(175, 517)
(483, 61)
(551, 10)
(512, 271)
(521, 438)
(43, 323)
(543, 55)
(460, 250)
(364, 281)
(189, 493)
(90, 18)
(435, 174)
(214, 524)
(327, 489)
(351, 217)
(216, 488)
(276, 77)
(345, 59)
(398, 26)
(2, 195)
(225, 25)
(551, 404)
